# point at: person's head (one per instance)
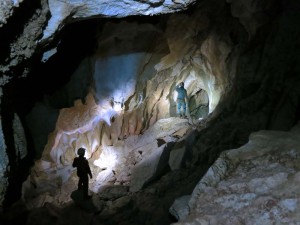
(81, 151)
(181, 84)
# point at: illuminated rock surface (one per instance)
(254, 184)
(132, 162)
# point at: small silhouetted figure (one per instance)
(181, 100)
(83, 170)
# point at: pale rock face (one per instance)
(255, 184)
(7, 8)
(23, 46)
(62, 11)
(155, 160)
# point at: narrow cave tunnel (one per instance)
(110, 87)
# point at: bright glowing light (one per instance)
(116, 84)
(107, 159)
(175, 94)
(106, 115)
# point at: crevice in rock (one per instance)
(15, 24)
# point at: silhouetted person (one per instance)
(83, 170)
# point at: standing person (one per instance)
(181, 99)
(83, 170)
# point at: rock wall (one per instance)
(239, 188)
(151, 61)
(28, 32)
(263, 96)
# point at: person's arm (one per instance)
(89, 169)
(74, 163)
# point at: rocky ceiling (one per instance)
(101, 74)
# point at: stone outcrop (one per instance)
(254, 184)
(134, 162)
(19, 45)
(67, 11)
(7, 8)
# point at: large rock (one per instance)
(146, 170)
(85, 204)
(254, 184)
(7, 8)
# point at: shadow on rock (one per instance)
(87, 204)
